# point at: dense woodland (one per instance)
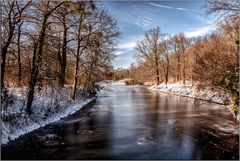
(54, 43)
(211, 60)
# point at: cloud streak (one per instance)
(123, 51)
(127, 45)
(168, 7)
(140, 17)
(200, 31)
(130, 42)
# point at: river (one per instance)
(134, 123)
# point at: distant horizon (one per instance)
(136, 17)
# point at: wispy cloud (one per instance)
(169, 7)
(140, 17)
(129, 43)
(194, 32)
(144, 23)
(123, 51)
(183, 9)
(159, 5)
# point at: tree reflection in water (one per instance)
(135, 123)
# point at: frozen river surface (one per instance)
(134, 123)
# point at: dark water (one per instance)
(135, 123)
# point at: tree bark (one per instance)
(19, 56)
(179, 69)
(73, 93)
(13, 19)
(37, 55)
(184, 71)
(4, 51)
(36, 64)
(167, 70)
(63, 60)
(75, 78)
(157, 73)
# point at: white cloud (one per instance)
(144, 23)
(194, 32)
(168, 7)
(120, 52)
(129, 42)
(141, 20)
(162, 6)
(183, 9)
(127, 45)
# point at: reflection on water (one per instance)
(135, 123)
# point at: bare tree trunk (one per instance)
(4, 52)
(167, 70)
(179, 70)
(37, 55)
(13, 18)
(166, 78)
(184, 70)
(238, 45)
(36, 64)
(19, 56)
(157, 73)
(73, 94)
(30, 94)
(63, 61)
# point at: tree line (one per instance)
(52, 43)
(211, 60)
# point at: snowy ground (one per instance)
(48, 106)
(189, 90)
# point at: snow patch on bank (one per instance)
(25, 125)
(47, 107)
(189, 90)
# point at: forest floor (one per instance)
(49, 105)
(191, 90)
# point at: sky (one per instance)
(136, 17)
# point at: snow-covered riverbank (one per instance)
(47, 107)
(188, 90)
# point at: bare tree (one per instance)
(175, 49)
(226, 8)
(12, 12)
(95, 33)
(63, 15)
(164, 47)
(101, 47)
(44, 38)
(216, 65)
(179, 44)
(228, 11)
(48, 9)
(83, 30)
(148, 50)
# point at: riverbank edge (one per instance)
(31, 126)
(163, 88)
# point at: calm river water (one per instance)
(135, 123)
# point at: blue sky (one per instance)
(135, 17)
